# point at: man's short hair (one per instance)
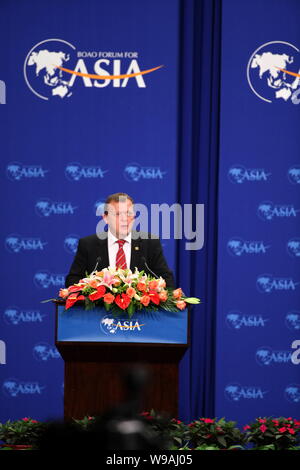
(116, 197)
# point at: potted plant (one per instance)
(207, 433)
(273, 433)
(22, 434)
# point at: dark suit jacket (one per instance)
(92, 248)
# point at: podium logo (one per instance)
(238, 174)
(292, 320)
(15, 244)
(294, 174)
(75, 172)
(16, 171)
(111, 325)
(265, 356)
(45, 279)
(293, 247)
(14, 387)
(267, 211)
(133, 172)
(43, 352)
(237, 247)
(235, 392)
(71, 243)
(292, 393)
(15, 316)
(46, 208)
(266, 284)
(52, 66)
(2, 92)
(236, 320)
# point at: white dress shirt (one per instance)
(113, 248)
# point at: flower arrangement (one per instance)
(213, 434)
(273, 433)
(24, 432)
(124, 291)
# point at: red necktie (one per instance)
(120, 258)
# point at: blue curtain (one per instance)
(198, 134)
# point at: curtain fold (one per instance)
(197, 166)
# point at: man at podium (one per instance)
(120, 246)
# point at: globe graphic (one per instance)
(41, 69)
(265, 71)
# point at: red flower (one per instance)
(283, 429)
(291, 431)
(72, 299)
(246, 427)
(98, 294)
(262, 420)
(154, 297)
(122, 301)
(263, 428)
(207, 420)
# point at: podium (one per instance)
(97, 347)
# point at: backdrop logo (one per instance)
(135, 172)
(237, 320)
(267, 283)
(14, 387)
(75, 172)
(52, 67)
(293, 247)
(236, 392)
(266, 356)
(239, 174)
(292, 320)
(238, 247)
(45, 208)
(294, 174)
(15, 316)
(98, 207)
(16, 171)
(71, 243)
(111, 325)
(2, 92)
(45, 279)
(44, 352)
(267, 211)
(15, 244)
(292, 393)
(273, 72)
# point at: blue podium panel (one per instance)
(98, 325)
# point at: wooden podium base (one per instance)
(94, 377)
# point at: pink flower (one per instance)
(283, 429)
(263, 428)
(207, 420)
(181, 304)
(291, 431)
(262, 420)
(25, 419)
(246, 427)
(177, 293)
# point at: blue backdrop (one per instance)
(216, 125)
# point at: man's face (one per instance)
(120, 218)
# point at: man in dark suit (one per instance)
(119, 246)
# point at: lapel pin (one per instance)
(136, 248)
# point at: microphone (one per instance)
(145, 263)
(98, 260)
